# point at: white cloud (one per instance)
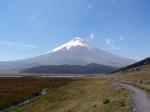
(111, 44)
(121, 38)
(32, 17)
(36, 21)
(89, 6)
(18, 45)
(108, 41)
(92, 36)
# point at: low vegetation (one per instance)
(137, 74)
(96, 94)
(139, 78)
(14, 90)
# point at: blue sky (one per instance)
(32, 27)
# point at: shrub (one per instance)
(106, 101)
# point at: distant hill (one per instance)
(71, 69)
(139, 66)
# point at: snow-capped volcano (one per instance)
(74, 52)
(73, 43)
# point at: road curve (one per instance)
(140, 99)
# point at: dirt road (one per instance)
(140, 99)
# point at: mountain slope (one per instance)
(72, 69)
(75, 52)
(143, 65)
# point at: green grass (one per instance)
(83, 95)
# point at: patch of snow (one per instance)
(73, 43)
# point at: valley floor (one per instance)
(90, 94)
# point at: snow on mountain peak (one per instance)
(77, 39)
(73, 43)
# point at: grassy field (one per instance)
(14, 90)
(92, 94)
(140, 78)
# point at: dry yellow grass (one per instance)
(85, 95)
(138, 78)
